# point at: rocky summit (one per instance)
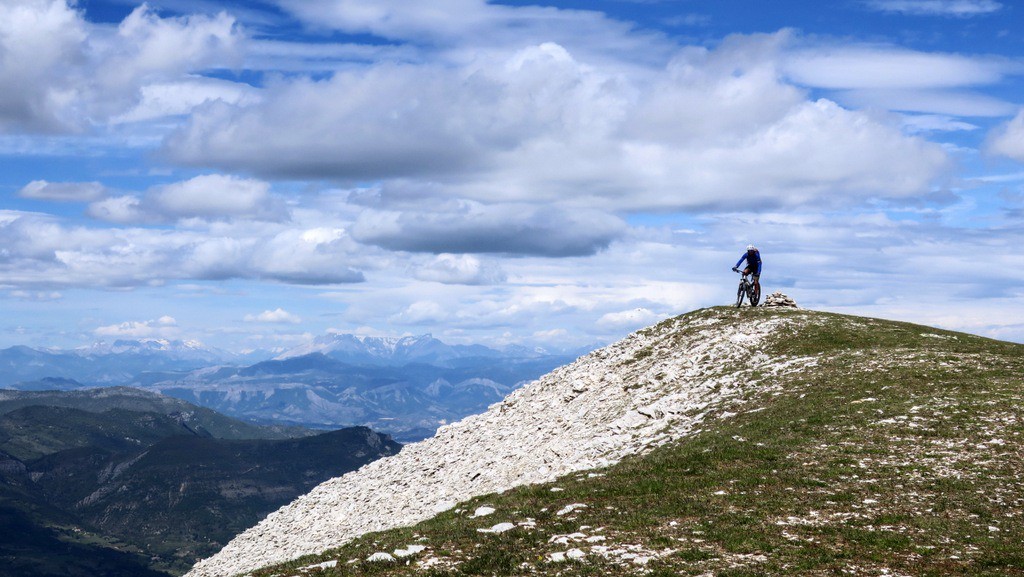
(653, 387)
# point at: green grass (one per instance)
(900, 452)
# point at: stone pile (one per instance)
(656, 386)
(777, 299)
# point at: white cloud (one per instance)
(958, 8)
(552, 335)
(42, 251)
(179, 97)
(867, 67)
(40, 39)
(384, 121)
(946, 102)
(463, 29)
(461, 269)
(422, 312)
(61, 73)
(1008, 139)
(472, 227)
(896, 78)
(930, 122)
(396, 19)
(63, 191)
(538, 126)
(149, 50)
(212, 196)
(125, 209)
(37, 296)
(631, 319)
(164, 327)
(278, 315)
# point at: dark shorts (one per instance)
(747, 270)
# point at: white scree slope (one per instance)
(653, 387)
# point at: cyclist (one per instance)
(753, 258)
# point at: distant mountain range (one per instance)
(104, 364)
(122, 482)
(360, 350)
(405, 386)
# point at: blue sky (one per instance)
(253, 174)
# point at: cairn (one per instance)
(777, 299)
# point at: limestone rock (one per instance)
(654, 387)
(777, 299)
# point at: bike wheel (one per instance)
(739, 295)
(755, 295)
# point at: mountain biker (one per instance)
(753, 258)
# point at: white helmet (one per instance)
(751, 247)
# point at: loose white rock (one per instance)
(649, 389)
(570, 508)
(409, 551)
(575, 554)
(499, 528)
(482, 512)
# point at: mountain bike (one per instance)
(747, 289)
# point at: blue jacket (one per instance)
(753, 259)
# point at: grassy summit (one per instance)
(895, 449)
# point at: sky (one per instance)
(253, 173)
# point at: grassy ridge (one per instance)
(897, 451)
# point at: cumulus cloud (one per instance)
(1008, 139)
(287, 256)
(278, 315)
(149, 50)
(125, 209)
(461, 269)
(164, 327)
(63, 191)
(713, 128)
(61, 73)
(367, 125)
(388, 120)
(472, 227)
(40, 39)
(41, 251)
(958, 8)
(181, 96)
(213, 196)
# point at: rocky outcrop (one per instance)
(777, 299)
(655, 386)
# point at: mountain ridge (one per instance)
(688, 391)
(581, 416)
(162, 481)
(405, 386)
